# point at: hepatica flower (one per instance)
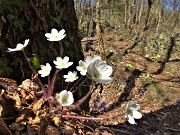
(62, 63)
(71, 76)
(131, 112)
(65, 98)
(82, 68)
(55, 35)
(83, 65)
(19, 46)
(45, 70)
(99, 71)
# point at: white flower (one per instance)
(131, 112)
(83, 65)
(99, 71)
(19, 46)
(55, 35)
(71, 76)
(45, 70)
(65, 98)
(62, 63)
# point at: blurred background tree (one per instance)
(135, 16)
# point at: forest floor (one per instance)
(145, 70)
(149, 76)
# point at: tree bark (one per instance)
(31, 19)
(150, 2)
(141, 10)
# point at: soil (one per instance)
(152, 83)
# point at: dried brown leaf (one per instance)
(15, 96)
(29, 85)
(30, 96)
(106, 133)
(68, 130)
(20, 118)
(34, 121)
(38, 105)
(16, 126)
(51, 130)
(3, 128)
(57, 121)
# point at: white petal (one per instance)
(48, 35)
(70, 98)
(66, 59)
(11, 50)
(108, 71)
(89, 59)
(103, 80)
(54, 32)
(55, 62)
(19, 46)
(61, 32)
(79, 68)
(90, 69)
(69, 64)
(136, 114)
(131, 119)
(101, 66)
(26, 42)
(135, 106)
(53, 39)
(65, 76)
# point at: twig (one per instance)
(86, 126)
(172, 129)
(81, 117)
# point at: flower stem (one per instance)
(61, 49)
(52, 82)
(80, 85)
(78, 103)
(67, 86)
(28, 62)
(49, 86)
(91, 118)
(77, 82)
(81, 117)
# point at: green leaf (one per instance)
(35, 62)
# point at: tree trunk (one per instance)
(150, 2)
(125, 13)
(31, 19)
(141, 10)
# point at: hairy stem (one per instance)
(76, 83)
(51, 85)
(28, 61)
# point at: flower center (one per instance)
(129, 112)
(96, 74)
(46, 70)
(62, 64)
(55, 37)
(72, 76)
(64, 100)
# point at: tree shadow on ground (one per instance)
(130, 83)
(165, 121)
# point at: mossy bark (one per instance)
(31, 19)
